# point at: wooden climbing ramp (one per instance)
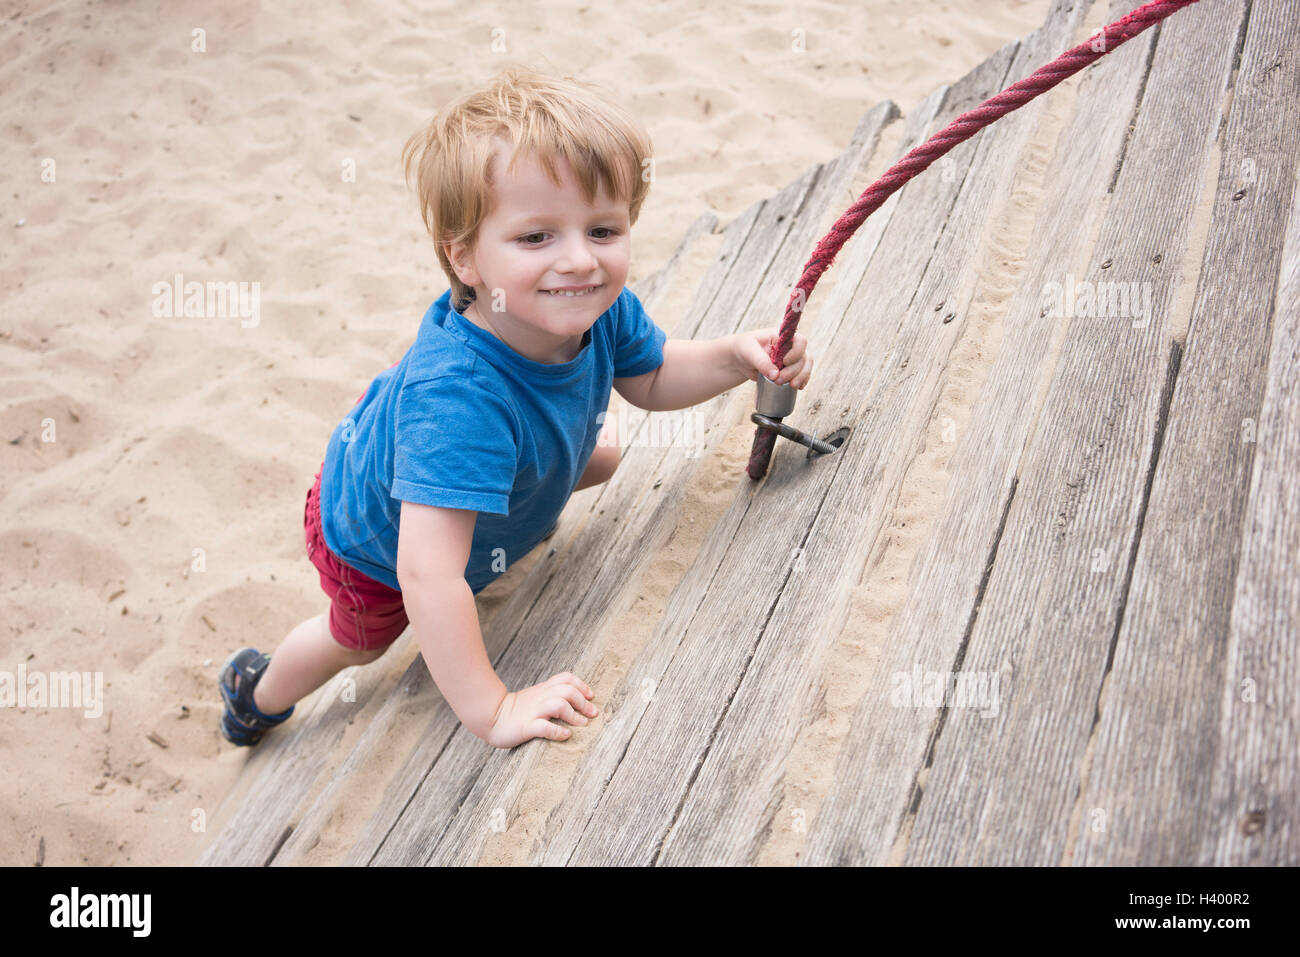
(1041, 608)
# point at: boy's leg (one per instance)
(305, 660)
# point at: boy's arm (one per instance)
(695, 370)
(433, 546)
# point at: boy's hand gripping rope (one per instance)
(958, 131)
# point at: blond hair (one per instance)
(544, 116)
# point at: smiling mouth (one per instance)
(572, 294)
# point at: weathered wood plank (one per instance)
(730, 805)
(1002, 786)
(1256, 781)
(693, 676)
(950, 566)
(1163, 725)
(824, 203)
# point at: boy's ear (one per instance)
(463, 264)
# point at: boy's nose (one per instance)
(575, 257)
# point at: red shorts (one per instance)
(364, 614)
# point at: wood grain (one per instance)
(1170, 716)
(1002, 788)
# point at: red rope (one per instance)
(958, 131)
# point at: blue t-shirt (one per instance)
(464, 421)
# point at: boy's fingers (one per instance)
(751, 354)
(569, 678)
(806, 374)
(576, 698)
(565, 706)
(573, 717)
(559, 708)
(541, 728)
(794, 358)
(758, 358)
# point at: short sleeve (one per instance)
(455, 446)
(638, 342)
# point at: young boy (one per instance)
(459, 459)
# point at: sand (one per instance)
(155, 466)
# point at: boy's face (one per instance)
(540, 238)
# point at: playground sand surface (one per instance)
(155, 468)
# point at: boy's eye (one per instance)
(606, 231)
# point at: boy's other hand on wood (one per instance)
(523, 714)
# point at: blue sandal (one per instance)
(243, 724)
